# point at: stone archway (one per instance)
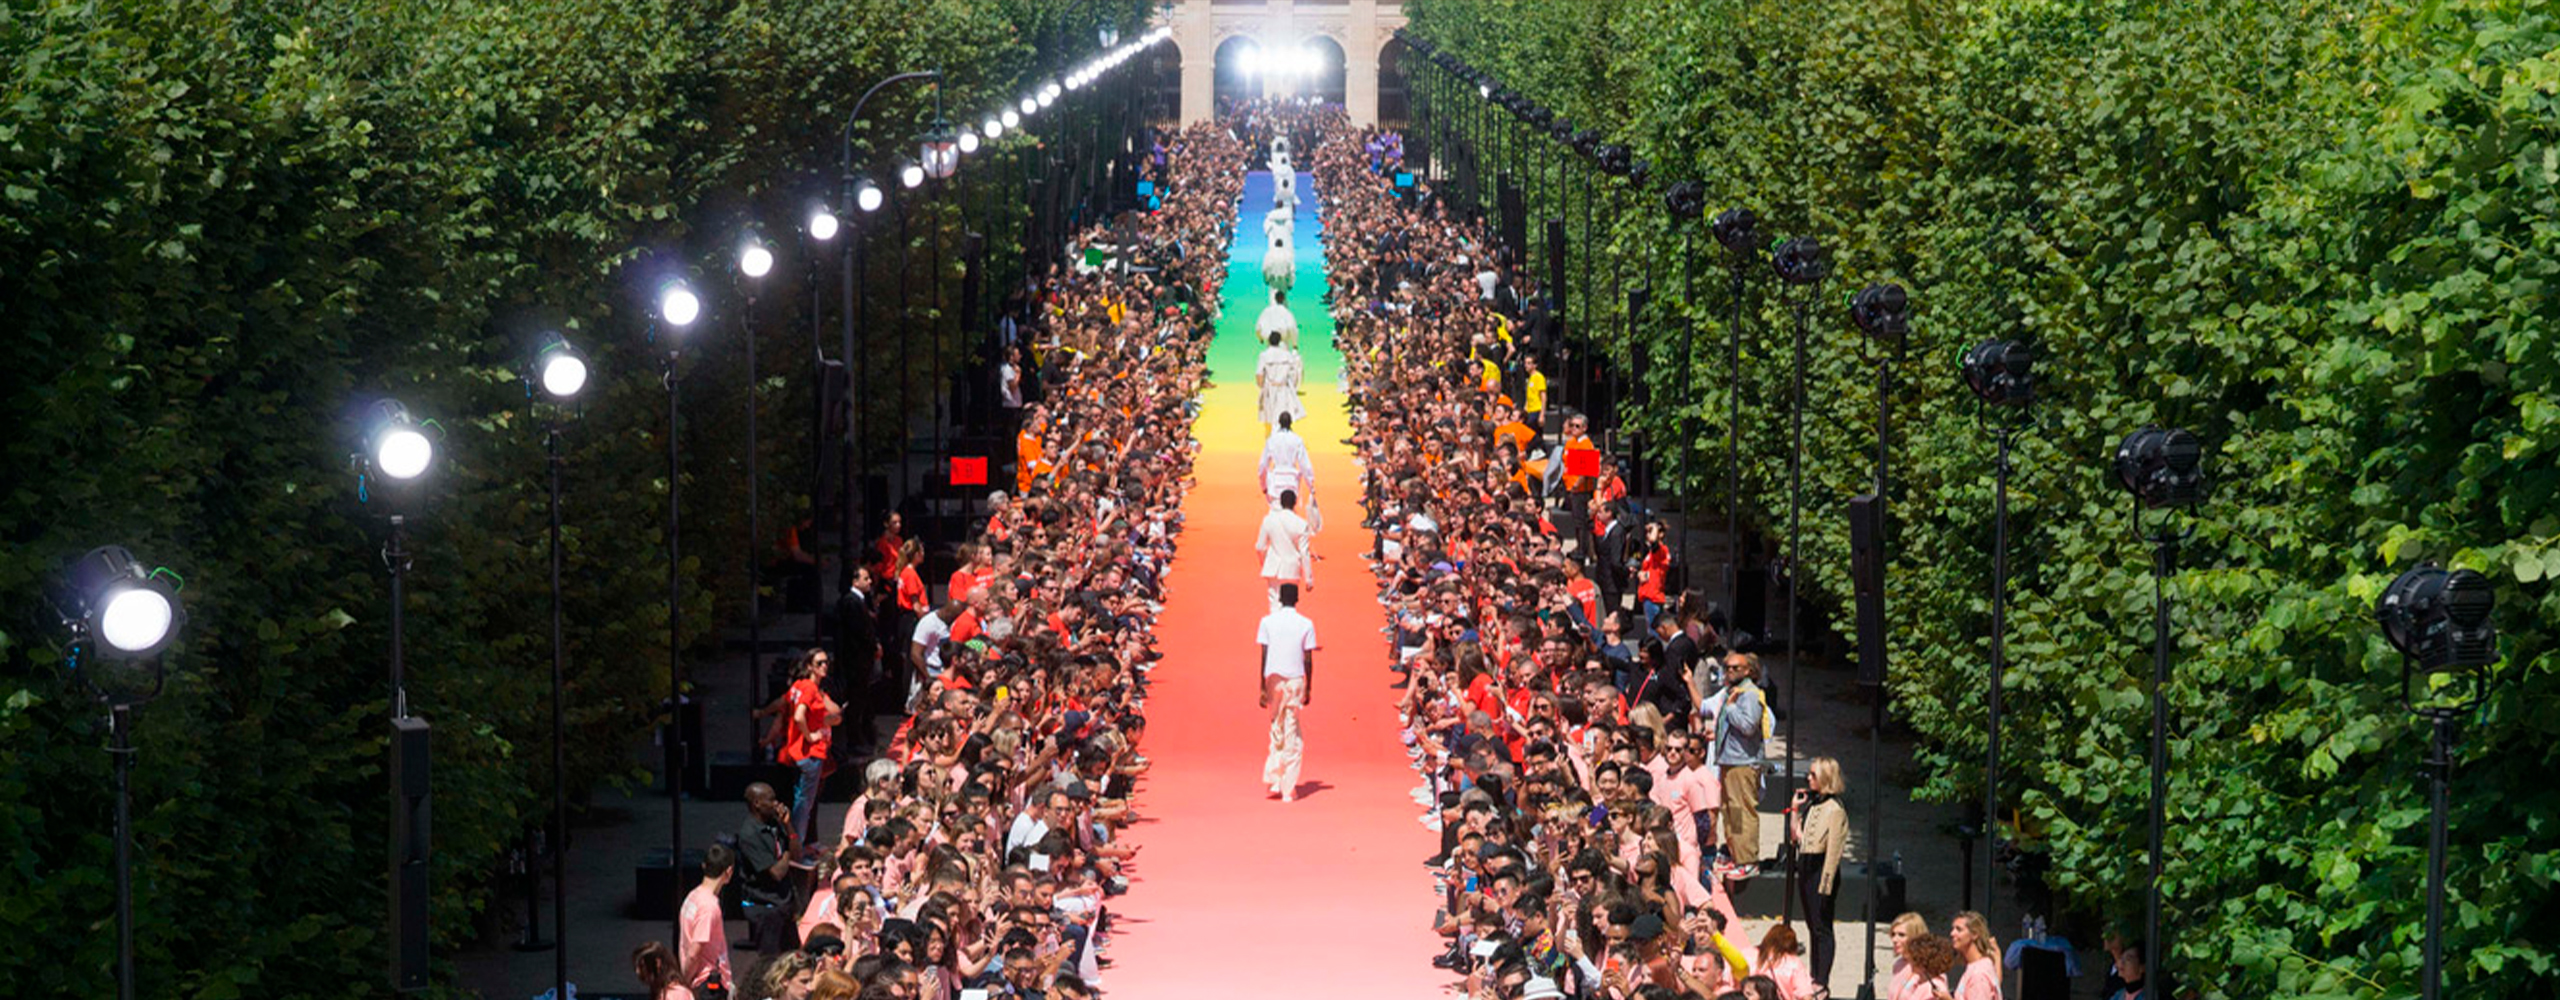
(1355, 34)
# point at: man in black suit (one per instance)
(1610, 557)
(858, 651)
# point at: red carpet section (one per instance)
(1245, 896)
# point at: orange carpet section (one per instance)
(1240, 895)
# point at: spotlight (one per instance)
(1049, 93)
(910, 174)
(1011, 118)
(1484, 90)
(678, 305)
(2161, 468)
(755, 261)
(1801, 261)
(397, 447)
(1638, 170)
(1561, 129)
(1030, 104)
(1249, 60)
(1108, 34)
(994, 128)
(1739, 231)
(2000, 372)
(1884, 312)
(1614, 160)
(1044, 99)
(867, 198)
(1075, 80)
(1587, 142)
(1688, 200)
(822, 224)
(109, 595)
(2438, 618)
(559, 368)
(968, 141)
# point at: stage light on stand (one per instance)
(1030, 104)
(2161, 468)
(755, 260)
(822, 224)
(867, 197)
(559, 369)
(967, 141)
(2000, 372)
(108, 596)
(1801, 261)
(397, 446)
(1010, 118)
(910, 174)
(2439, 622)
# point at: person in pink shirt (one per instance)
(705, 934)
(1981, 955)
(1782, 960)
(1689, 791)
(1927, 959)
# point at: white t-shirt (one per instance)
(1286, 464)
(931, 631)
(1009, 383)
(1286, 637)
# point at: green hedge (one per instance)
(2323, 234)
(223, 226)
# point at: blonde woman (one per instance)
(1820, 826)
(1980, 953)
(1907, 983)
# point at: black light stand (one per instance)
(2162, 469)
(1883, 312)
(678, 756)
(2001, 375)
(1801, 264)
(559, 732)
(2439, 620)
(116, 610)
(1739, 232)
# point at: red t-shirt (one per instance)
(1587, 594)
(911, 595)
(1656, 570)
(807, 741)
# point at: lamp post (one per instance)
(677, 309)
(755, 260)
(2001, 375)
(1738, 231)
(562, 374)
(117, 611)
(398, 452)
(2439, 622)
(2163, 469)
(1801, 264)
(863, 196)
(1883, 312)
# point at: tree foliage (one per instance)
(224, 228)
(2319, 233)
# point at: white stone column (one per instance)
(1361, 40)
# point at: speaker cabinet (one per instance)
(409, 855)
(1866, 572)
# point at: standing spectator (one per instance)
(812, 725)
(704, 931)
(1741, 731)
(1820, 827)
(659, 971)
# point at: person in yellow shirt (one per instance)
(1533, 400)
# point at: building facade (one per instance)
(1335, 50)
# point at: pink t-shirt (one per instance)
(706, 938)
(1794, 978)
(1981, 981)
(1908, 985)
(822, 910)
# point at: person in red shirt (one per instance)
(812, 726)
(1654, 573)
(911, 593)
(891, 541)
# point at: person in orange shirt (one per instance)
(1509, 428)
(1030, 463)
(1577, 437)
(911, 592)
(977, 569)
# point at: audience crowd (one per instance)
(984, 844)
(1591, 735)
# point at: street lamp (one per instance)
(2001, 375)
(2163, 469)
(398, 452)
(677, 309)
(2439, 621)
(562, 373)
(1801, 264)
(116, 610)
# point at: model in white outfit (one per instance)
(1277, 374)
(1277, 319)
(1286, 464)
(1283, 542)
(1279, 264)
